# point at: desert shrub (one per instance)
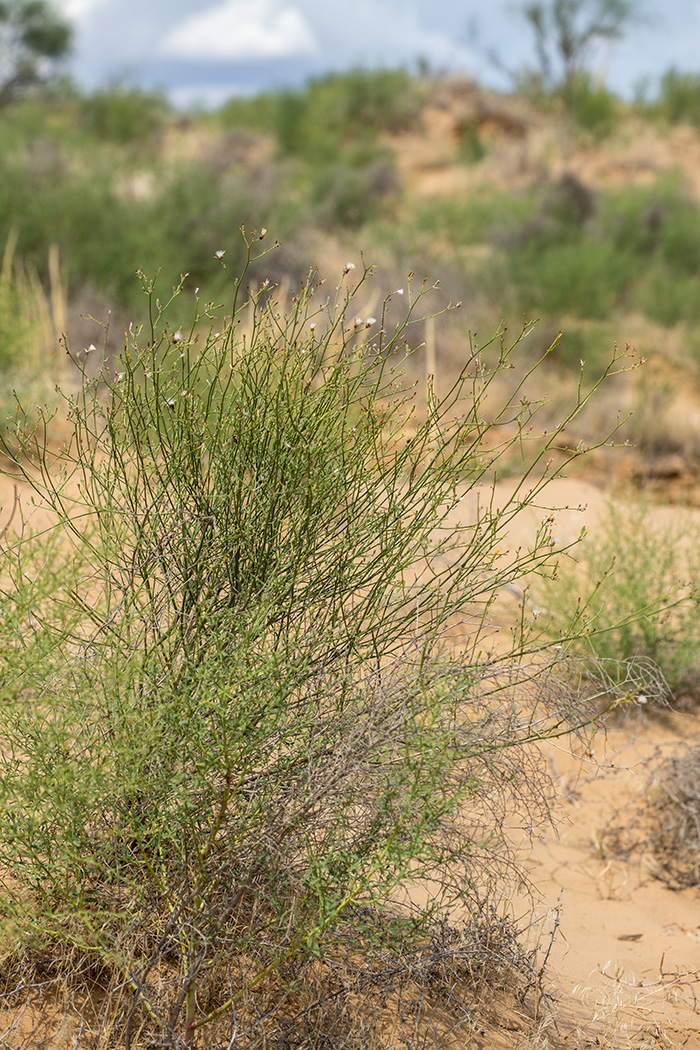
(672, 815)
(356, 189)
(104, 231)
(590, 104)
(331, 111)
(249, 685)
(633, 570)
(30, 357)
(663, 822)
(472, 218)
(123, 115)
(678, 99)
(574, 274)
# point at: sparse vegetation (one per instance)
(632, 592)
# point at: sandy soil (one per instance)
(625, 963)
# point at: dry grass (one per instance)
(464, 979)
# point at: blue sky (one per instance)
(202, 51)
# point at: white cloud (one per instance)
(241, 30)
(77, 9)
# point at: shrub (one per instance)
(629, 596)
(123, 115)
(354, 190)
(30, 359)
(679, 97)
(673, 815)
(331, 111)
(591, 105)
(250, 689)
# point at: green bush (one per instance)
(249, 686)
(678, 99)
(630, 596)
(355, 190)
(591, 105)
(331, 111)
(123, 115)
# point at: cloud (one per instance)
(241, 30)
(77, 9)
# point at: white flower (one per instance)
(312, 326)
(262, 233)
(177, 336)
(358, 323)
(399, 291)
(349, 266)
(369, 321)
(220, 254)
(90, 348)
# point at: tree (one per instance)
(567, 30)
(32, 37)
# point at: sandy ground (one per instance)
(625, 963)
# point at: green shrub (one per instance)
(123, 115)
(591, 105)
(629, 593)
(331, 111)
(236, 719)
(576, 274)
(678, 99)
(355, 190)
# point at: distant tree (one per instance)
(567, 30)
(33, 36)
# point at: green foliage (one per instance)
(579, 276)
(629, 594)
(331, 111)
(30, 359)
(233, 710)
(123, 115)
(355, 190)
(678, 99)
(31, 33)
(471, 144)
(590, 104)
(105, 229)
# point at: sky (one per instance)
(203, 51)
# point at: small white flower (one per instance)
(170, 402)
(90, 348)
(312, 326)
(349, 266)
(220, 254)
(369, 321)
(358, 323)
(262, 233)
(177, 336)
(399, 291)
